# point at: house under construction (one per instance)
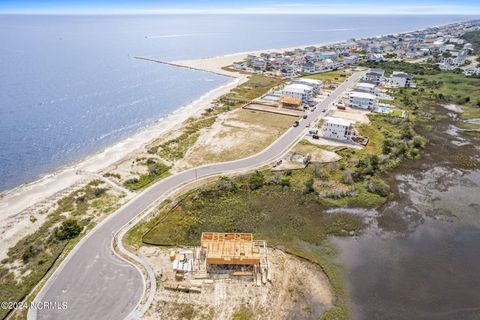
(230, 249)
(236, 253)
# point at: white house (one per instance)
(375, 76)
(315, 84)
(350, 60)
(298, 91)
(288, 71)
(376, 57)
(339, 129)
(362, 100)
(366, 87)
(308, 67)
(471, 71)
(239, 65)
(402, 80)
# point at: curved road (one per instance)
(95, 283)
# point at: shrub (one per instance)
(407, 132)
(256, 180)
(226, 185)
(28, 253)
(418, 142)
(377, 186)
(68, 230)
(285, 182)
(347, 177)
(319, 173)
(309, 186)
(99, 191)
(387, 146)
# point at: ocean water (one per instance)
(69, 85)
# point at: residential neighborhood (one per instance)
(442, 45)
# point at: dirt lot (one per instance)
(299, 290)
(235, 135)
(353, 115)
(316, 153)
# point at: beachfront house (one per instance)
(362, 100)
(375, 76)
(298, 91)
(338, 129)
(400, 79)
(239, 65)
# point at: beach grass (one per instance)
(256, 86)
(35, 254)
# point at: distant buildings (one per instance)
(471, 71)
(375, 57)
(350, 60)
(442, 45)
(454, 60)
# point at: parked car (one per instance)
(295, 124)
(313, 131)
(324, 110)
(307, 125)
(316, 136)
(305, 116)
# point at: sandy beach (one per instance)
(18, 205)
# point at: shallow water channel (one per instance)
(420, 257)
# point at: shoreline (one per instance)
(197, 64)
(18, 204)
(19, 200)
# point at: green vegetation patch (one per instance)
(272, 212)
(243, 313)
(337, 76)
(256, 86)
(455, 88)
(410, 68)
(32, 257)
(156, 172)
(474, 38)
(175, 149)
(434, 87)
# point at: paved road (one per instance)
(95, 283)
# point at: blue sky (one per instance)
(246, 6)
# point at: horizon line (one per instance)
(233, 13)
